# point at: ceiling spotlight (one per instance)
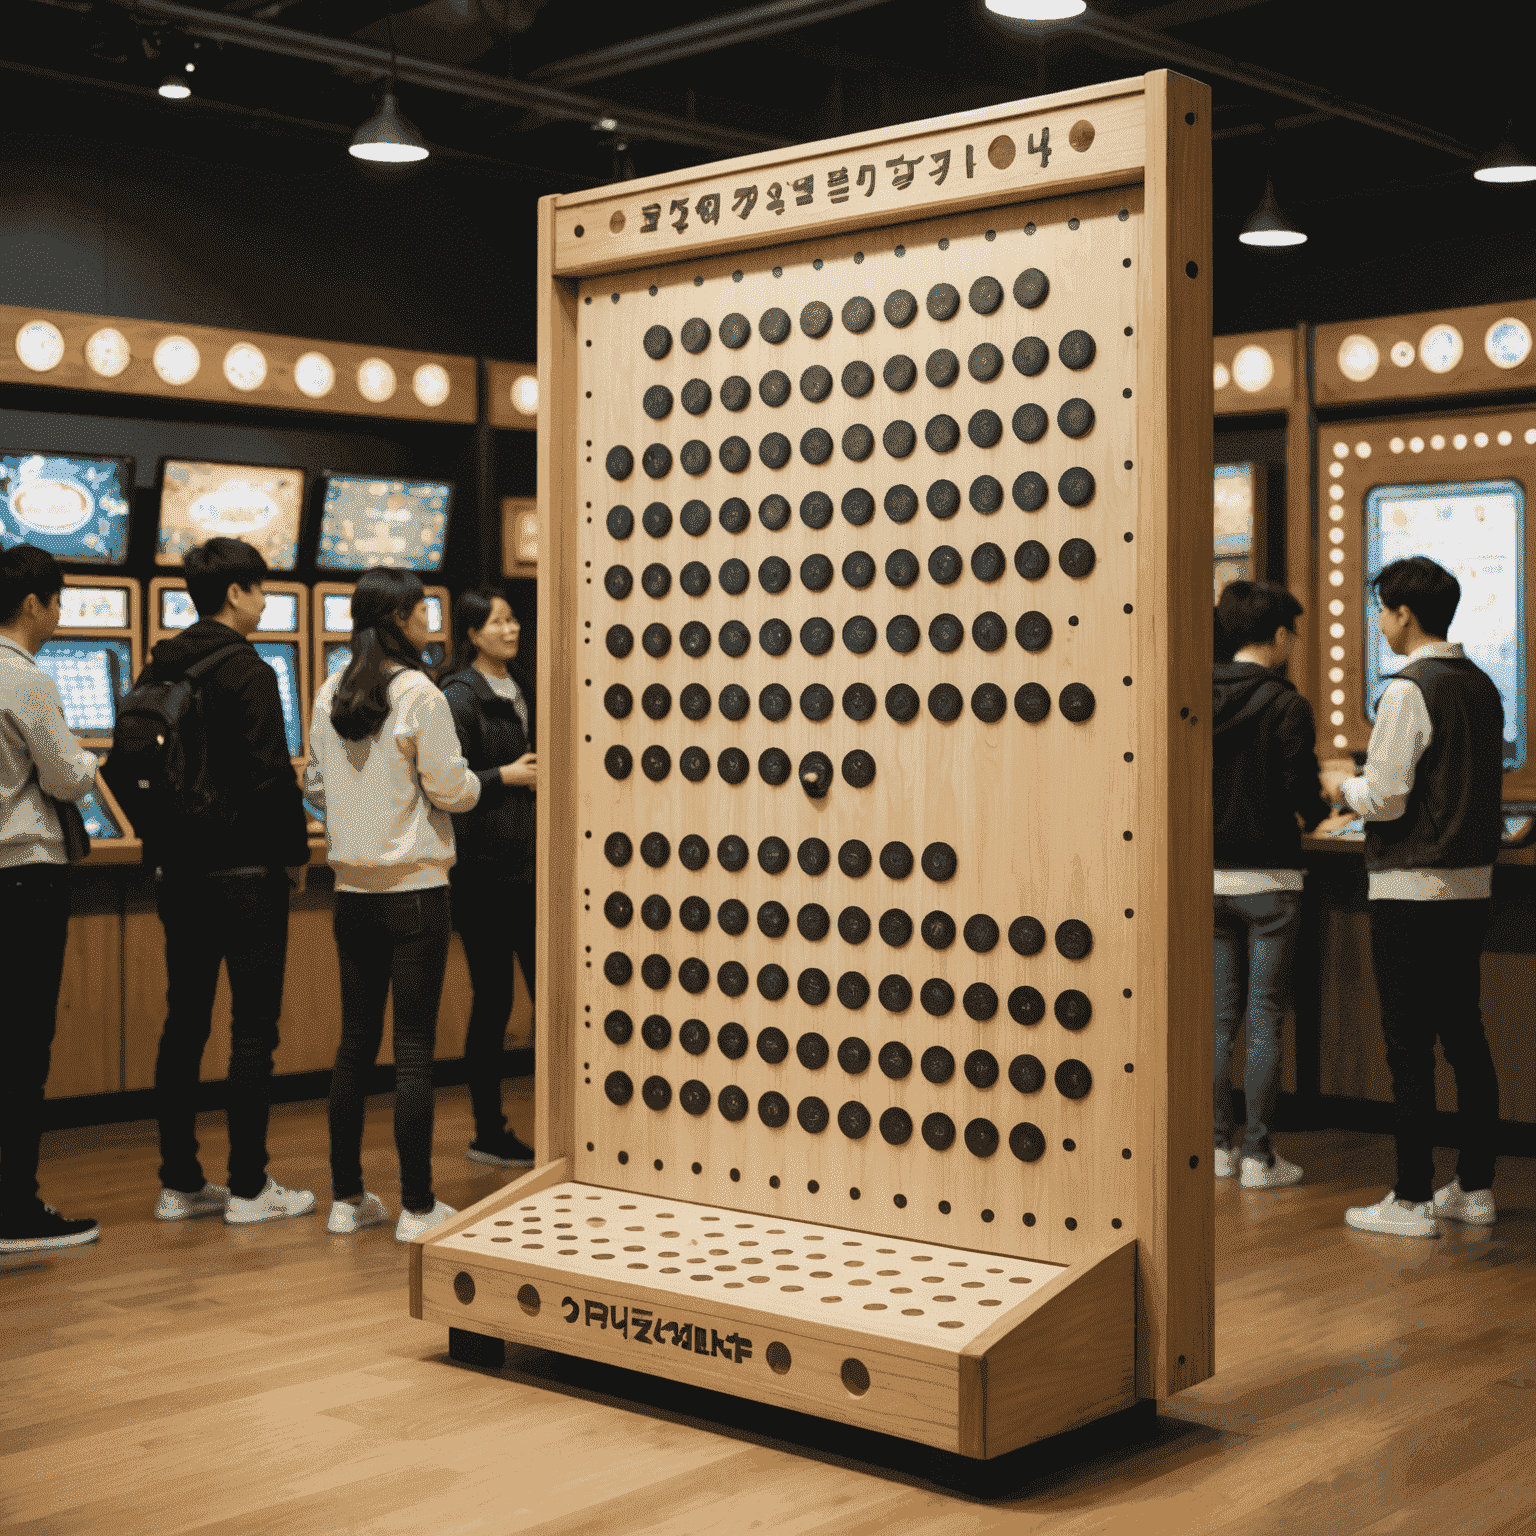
(606, 125)
(175, 87)
(388, 136)
(1505, 163)
(1037, 10)
(1266, 225)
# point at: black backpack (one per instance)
(158, 766)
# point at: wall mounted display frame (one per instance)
(1257, 371)
(175, 360)
(513, 395)
(77, 506)
(1080, 222)
(201, 499)
(519, 536)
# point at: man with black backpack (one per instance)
(223, 823)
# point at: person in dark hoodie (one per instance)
(1264, 781)
(223, 896)
(492, 882)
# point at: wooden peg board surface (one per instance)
(1039, 814)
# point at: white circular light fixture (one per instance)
(375, 380)
(175, 88)
(525, 394)
(1505, 163)
(1341, 741)
(315, 375)
(1037, 10)
(1508, 342)
(1403, 353)
(1506, 438)
(40, 346)
(1253, 369)
(1440, 348)
(107, 352)
(1341, 450)
(430, 384)
(1530, 434)
(1358, 358)
(1437, 442)
(1416, 444)
(1396, 445)
(1336, 608)
(1362, 450)
(1267, 225)
(1459, 441)
(176, 360)
(1481, 439)
(1335, 578)
(388, 137)
(244, 366)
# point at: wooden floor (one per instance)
(193, 1377)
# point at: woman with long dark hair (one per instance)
(385, 768)
(492, 882)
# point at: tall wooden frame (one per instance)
(1108, 189)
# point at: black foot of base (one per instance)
(476, 1348)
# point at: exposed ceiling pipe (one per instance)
(343, 53)
(724, 31)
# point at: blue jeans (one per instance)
(395, 943)
(1255, 943)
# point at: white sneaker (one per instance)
(173, 1205)
(272, 1204)
(1273, 1173)
(1226, 1162)
(1400, 1220)
(1474, 1208)
(346, 1217)
(412, 1225)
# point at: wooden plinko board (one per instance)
(875, 868)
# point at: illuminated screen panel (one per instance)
(280, 616)
(337, 654)
(76, 507)
(92, 677)
(1476, 530)
(338, 613)
(93, 608)
(254, 502)
(283, 657)
(368, 522)
(1233, 542)
(98, 819)
(435, 614)
(176, 610)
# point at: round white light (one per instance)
(174, 88)
(1336, 493)
(1459, 441)
(1341, 450)
(1221, 376)
(1358, 358)
(1416, 444)
(525, 394)
(1336, 608)
(1403, 353)
(1336, 630)
(430, 384)
(107, 352)
(1481, 439)
(1508, 343)
(1335, 578)
(1336, 697)
(244, 366)
(1396, 445)
(315, 375)
(1337, 717)
(1336, 556)
(1335, 535)
(1335, 469)
(1530, 434)
(1337, 651)
(1437, 442)
(1336, 675)
(375, 380)
(40, 345)
(1336, 512)
(1253, 368)
(1440, 348)
(1505, 439)
(1362, 450)
(176, 360)
(1340, 741)
(1037, 10)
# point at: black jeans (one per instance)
(34, 919)
(495, 919)
(1427, 958)
(399, 942)
(241, 920)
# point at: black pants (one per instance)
(495, 919)
(34, 923)
(394, 942)
(241, 920)
(1427, 958)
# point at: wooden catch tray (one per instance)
(971, 1352)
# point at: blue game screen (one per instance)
(283, 657)
(92, 677)
(369, 522)
(98, 819)
(76, 507)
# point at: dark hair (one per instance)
(472, 610)
(214, 566)
(1251, 611)
(381, 599)
(1427, 590)
(26, 572)
(1221, 647)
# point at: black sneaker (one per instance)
(503, 1151)
(43, 1227)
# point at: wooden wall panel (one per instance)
(87, 1041)
(1256, 371)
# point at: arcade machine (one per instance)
(79, 508)
(1239, 525)
(873, 1075)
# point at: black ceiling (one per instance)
(1394, 215)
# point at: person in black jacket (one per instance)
(1264, 782)
(492, 880)
(223, 896)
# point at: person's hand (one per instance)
(1332, 781)
(295, 874)
(1335, 823)
(524, 773)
